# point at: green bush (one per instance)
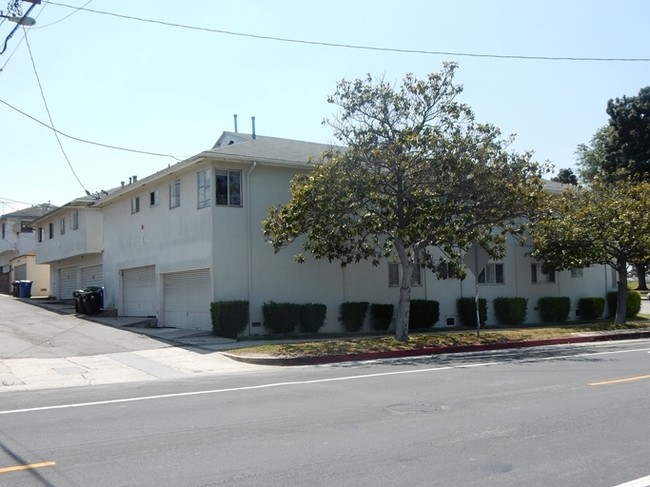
(353, 315)
(633, 303)
(510, 311)
(381, 316)
(281, 318)
(554, 309)
(591, 308)
(423, 314)
(229, 318)
(312, 317)
(466, 308)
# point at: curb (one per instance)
(357, 357)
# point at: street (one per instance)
(563, 415)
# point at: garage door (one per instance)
(139, 291)
(20, 272)
(92, 276)
(67, 282)
(186, 297)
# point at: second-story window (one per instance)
(228, 185)
(74, 224)
(492, 274)
(50, 228)
(154, 198)
(135, 205)
(41, 233)
(175, 194)
(62, 226)
(203, 191)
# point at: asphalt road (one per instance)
(566, 416)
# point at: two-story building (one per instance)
(190, 234)
(17, 250)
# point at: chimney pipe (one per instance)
(253, 121)
(235, 117)
(135, 178)
(122, 183)
(130, 180)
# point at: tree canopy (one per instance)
(418, 181)
(606, 223)
(566, 176)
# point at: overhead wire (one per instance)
(351, 46)
(62, 18)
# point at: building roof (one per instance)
(32, 212)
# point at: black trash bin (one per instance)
(92, 301)
(16, 289)
(79, 301)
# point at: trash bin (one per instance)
(79, 301)
(16, 289)
(25, 289)
(92, 302)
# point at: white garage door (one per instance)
(67, 282)
(20, 272)
(186, 297)
(139, 291)
(92, 276)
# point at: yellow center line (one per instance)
(619, 381)
(29, 466)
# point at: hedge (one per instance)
(554, 309)
(281, 318)
(591, 308)
(633, 303)
(466, 308)
(312, 317)
(353, 314)
(229, 318)
(423, 314)
(510, 311)
(381, 316)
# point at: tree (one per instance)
(566, 176)
(606, 223)
(591, 157)
(628, 148)
(418, 175)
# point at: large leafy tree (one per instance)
(418, 178)
(591, 157)
(566, 176)
(606, 223)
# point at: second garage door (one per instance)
(139, 291)
(67, 282)
(187, 296)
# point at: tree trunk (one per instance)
(403, 308)
(621, 300)
(640, 272)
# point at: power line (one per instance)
(85, 141)
(49, 115)
(351, 46)
(62, 18)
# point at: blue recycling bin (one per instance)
(25, 289)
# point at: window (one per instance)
(175, 194)
(75, 220)
(135, 205)
(203, 189)
(538, 276)
(154, 198)
(26, 227)
(4, 229)
(41, 233)
(576, 271)
(51, 230)
(394, 275)
(491, 274)
(228, 185)
(62, 226)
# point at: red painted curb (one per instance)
(357, 357)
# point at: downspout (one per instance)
(249, 244)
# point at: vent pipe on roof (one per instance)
(253, 121)
(122, 183)
(135, 178)
(235, 117)
(130, 180)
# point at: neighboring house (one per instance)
(177, 240)
(69, 241)
(17, 246)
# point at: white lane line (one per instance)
(643, 482)
(302, 382)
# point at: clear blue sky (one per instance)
(171, 90)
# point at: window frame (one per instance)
(74, 220)
(203, 189)
(62, 226)
(576, 272)
(175, 194)
(395, 275)
(491, 273)
(538, 276)
(233, 180)
(135, 205)
(50, 230)
(154, 198)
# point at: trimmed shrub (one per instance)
(591, 308)
(381, 316)
(312, 317)
(510, 311)
(466, 308)
(281, 318)
(423, 314)
(554, 309)
(229, 318)
(633, 303)
(353, 315)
